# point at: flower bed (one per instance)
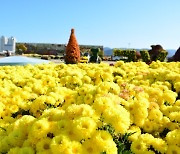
(90, 108)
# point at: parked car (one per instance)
(116, 58)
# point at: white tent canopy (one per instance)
(21, 60)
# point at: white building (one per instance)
(7, 44)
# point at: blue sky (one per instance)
(111, 23)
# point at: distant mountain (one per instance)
(108, 51)
(171, 52)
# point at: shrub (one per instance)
(145, 56)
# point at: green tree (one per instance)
(20, 48)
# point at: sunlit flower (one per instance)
(43, 145)
(60, 144)
(173, 149)
(138, 147)
(40, 127)
(26, 150)
(84, 127)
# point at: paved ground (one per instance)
(62, 61)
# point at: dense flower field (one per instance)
(90, 108)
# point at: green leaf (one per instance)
(3, 128)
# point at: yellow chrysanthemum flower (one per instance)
(138, 147)
(177, 86)
(136, 131)
(177, 103)
(15, 150)
(141, 112)
(173, 137)
(82, 110)
(173, 149)
(170, 96)
(26, 150)
(5, 145)
(17, 137)
(159, 145)
(175, 116)
(84, 127)
(75, 148)
(40, 127)
(119, 117)
(53, 114)
(88, 99)
(148, 126)
(155, 115)
(43, 146)
(89, 148)
(60, 144)
(105, 142)
(63, 125)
